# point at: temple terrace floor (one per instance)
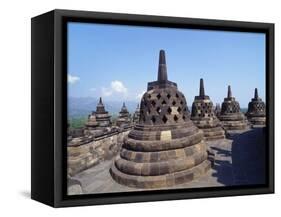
(239, 160)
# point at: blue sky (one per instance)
(117, 61)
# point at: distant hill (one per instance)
(83, 106)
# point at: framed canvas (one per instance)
(133, 108)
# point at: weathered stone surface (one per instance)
(85, 152)
(231, 117)
(136, 116)
(124, 118)
(256, 113)
(203, 116)
(99, 118)
(165, 148)
(236, 161)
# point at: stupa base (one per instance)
(160, 181)
(257, 121)
(235, 125)
(214, 133)
(234, 122)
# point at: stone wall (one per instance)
(84, 156)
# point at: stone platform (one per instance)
(239, 160)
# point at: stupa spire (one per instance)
(229, 93)
(201, 90)
(162, 68)
(100, 102)
(256, 111)
(256, 93)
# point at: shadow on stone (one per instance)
(244, 164)
(221, 151)
(223, 169)
(248, 157)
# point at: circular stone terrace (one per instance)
(238, 160)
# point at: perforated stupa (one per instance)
(165, 148)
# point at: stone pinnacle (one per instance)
(201, 90)
(162, 68)
(229, 93)
(256, 93)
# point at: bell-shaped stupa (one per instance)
(165, 148)
(256, 113)
(231, 117)
(217, 110)
(203, 116)
(136, 116)
(99, 118)
(92, 121)
(124, 118)
(102, 116)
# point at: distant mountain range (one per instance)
(83, 106)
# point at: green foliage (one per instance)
(77, 122)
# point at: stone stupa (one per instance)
(256, 113)
(99, 118)
(165, 148)
(231, 117)
(92, 121)
(124, 119)
(136, 116)
(102, 116)
(217, 110)
(203, 116)
(98, 121)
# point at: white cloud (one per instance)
(93, 89)
(72, 79)
(106, 91)
(118, 86)
(139, 96)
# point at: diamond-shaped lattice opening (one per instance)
(153, 103)
(176, 118)
(164, 119)
(183, 117)
(168, 96)
(184, 109)
(179, 109)
(164, 102)
(148, 111)
(174, 103)
(149, 96)
(158, 96)
(177, 95)
(158, 110)
(169, 110)
(181, 102)
(153, 119)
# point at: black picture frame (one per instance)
(49, 106)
